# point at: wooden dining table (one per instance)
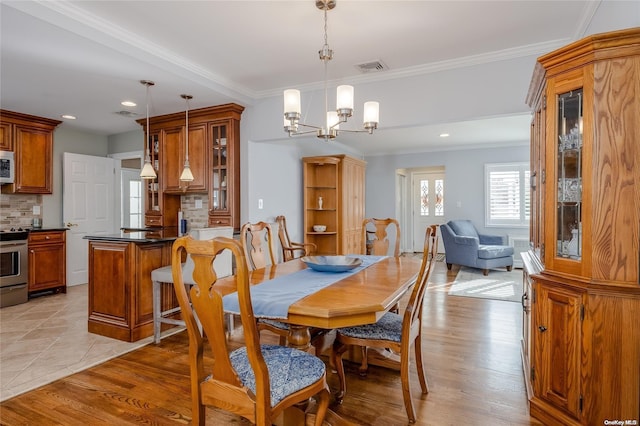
(357, 299)
(361, 298)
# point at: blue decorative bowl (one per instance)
(331, 263)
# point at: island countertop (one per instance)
(141, 236)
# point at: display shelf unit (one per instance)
(581, 334)
(334, 197)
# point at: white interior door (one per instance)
(88, 196)
(428, 190)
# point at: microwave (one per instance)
(7, 167)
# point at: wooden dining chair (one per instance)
(256, 381)
(394, 331)
(257, 243)
(254, 237)
(376, 238)
(290, 249)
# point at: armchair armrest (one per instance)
(307, 248)
(493, 240)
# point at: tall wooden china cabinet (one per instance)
(581, 345)
(214, 157)
(334, 198)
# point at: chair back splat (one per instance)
(257, 240)
(378, 235)
(240, 381)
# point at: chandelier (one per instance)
(344, 99)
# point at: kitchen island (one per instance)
(120, 287)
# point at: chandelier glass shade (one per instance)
(344, 100)
(147, 171)
(186, 175)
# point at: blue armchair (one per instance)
(464, 246)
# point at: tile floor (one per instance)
(47, 338)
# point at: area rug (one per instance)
(498, 285)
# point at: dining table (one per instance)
(344, 299)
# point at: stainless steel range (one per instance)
(14, 267)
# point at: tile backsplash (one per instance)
(16, 210)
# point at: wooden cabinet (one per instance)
(47, 261)
(120, 287)
(584, 334)
(334, 198)
(31, 139)
(224, 161)
(208, 128)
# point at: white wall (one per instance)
(464, 181)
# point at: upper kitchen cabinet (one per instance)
(215, 170)
(31, 140)
(224, 160)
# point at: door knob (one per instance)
(69, 224)
(542, 328)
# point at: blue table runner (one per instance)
(271, 299)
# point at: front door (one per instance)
(88, 197)
(427, 205)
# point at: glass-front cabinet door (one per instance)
(569, 174)
(220, 162)
(568, 182)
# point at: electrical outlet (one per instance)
(260, 203)
(36, 209)
(198, 203)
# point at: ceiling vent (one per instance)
(127, 114)
(372, 66)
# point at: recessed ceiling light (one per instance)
(128, 103)
(69, 117)
(444, 135)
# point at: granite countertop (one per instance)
(139, 236)
(46, 229)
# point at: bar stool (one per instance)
(163, 277)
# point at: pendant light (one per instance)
(186, 175)
(147, 171)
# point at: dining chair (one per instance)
(290, 249)
(394, 331)
(377, 236)
(255, 381)
(254, 237)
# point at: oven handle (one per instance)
(8, 245)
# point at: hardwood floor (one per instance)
(472, 356)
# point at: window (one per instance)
(507, 193)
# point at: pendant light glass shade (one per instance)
(186, 175)
(147, 171)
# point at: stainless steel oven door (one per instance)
(13, 273)
(13, 262)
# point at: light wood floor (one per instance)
(472, 356)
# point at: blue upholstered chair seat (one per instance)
(289, 370)
(274, 323)
(389, 327)
(492, 252)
